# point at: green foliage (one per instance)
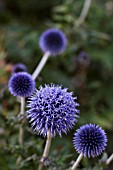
(22, 22)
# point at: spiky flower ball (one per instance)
(53, 41)
(90, 140)
(21, 84)
(52, 109)
(19, 68)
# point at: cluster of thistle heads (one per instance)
(52, 108)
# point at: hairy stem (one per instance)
(77, 162)
(46, 151)
(109, 160)
(84, 13)
(41, 65)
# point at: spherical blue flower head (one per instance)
(19, 68)
(21, 84)
(53, 41)
(90, 140)
(52, 109)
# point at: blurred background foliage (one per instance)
(86, 68)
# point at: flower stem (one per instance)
(41, 65)
(84, 12)
(77, 162)
(109, 160)
(21, 129)
(22, 108)
(46, 151)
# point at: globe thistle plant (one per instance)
(82, 59)
(21, 84)
(89, 140)
(52, 109)
(19, 68)
(53, 41)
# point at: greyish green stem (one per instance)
(77, 162)
(109, 160)
(21, 129)
(41, 65)
(46, 151)
(84, 13)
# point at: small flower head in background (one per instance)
(90, 140)
(19, 68)
(82, 60)
(52, 109)
(21, 84)
(53, 41)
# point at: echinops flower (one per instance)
(90, 140)
(19, 67)
(52, 109)
(21, 84)
(83, 59)
(53, 41)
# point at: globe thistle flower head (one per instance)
(21, 84)
(19, 68)
(90, 140)
(83, 59)
(53, 41)
(52, 109)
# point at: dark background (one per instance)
(86, 68)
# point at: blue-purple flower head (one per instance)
(21, 84)
(83, 59)
(52, 109)
(90, 140)
(53, 41)
(19, 68)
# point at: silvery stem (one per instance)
(46, 150)
(40, 65)
(77, 162)
(84, 12)
(109, 159)
(22, 108)
(21, 130)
